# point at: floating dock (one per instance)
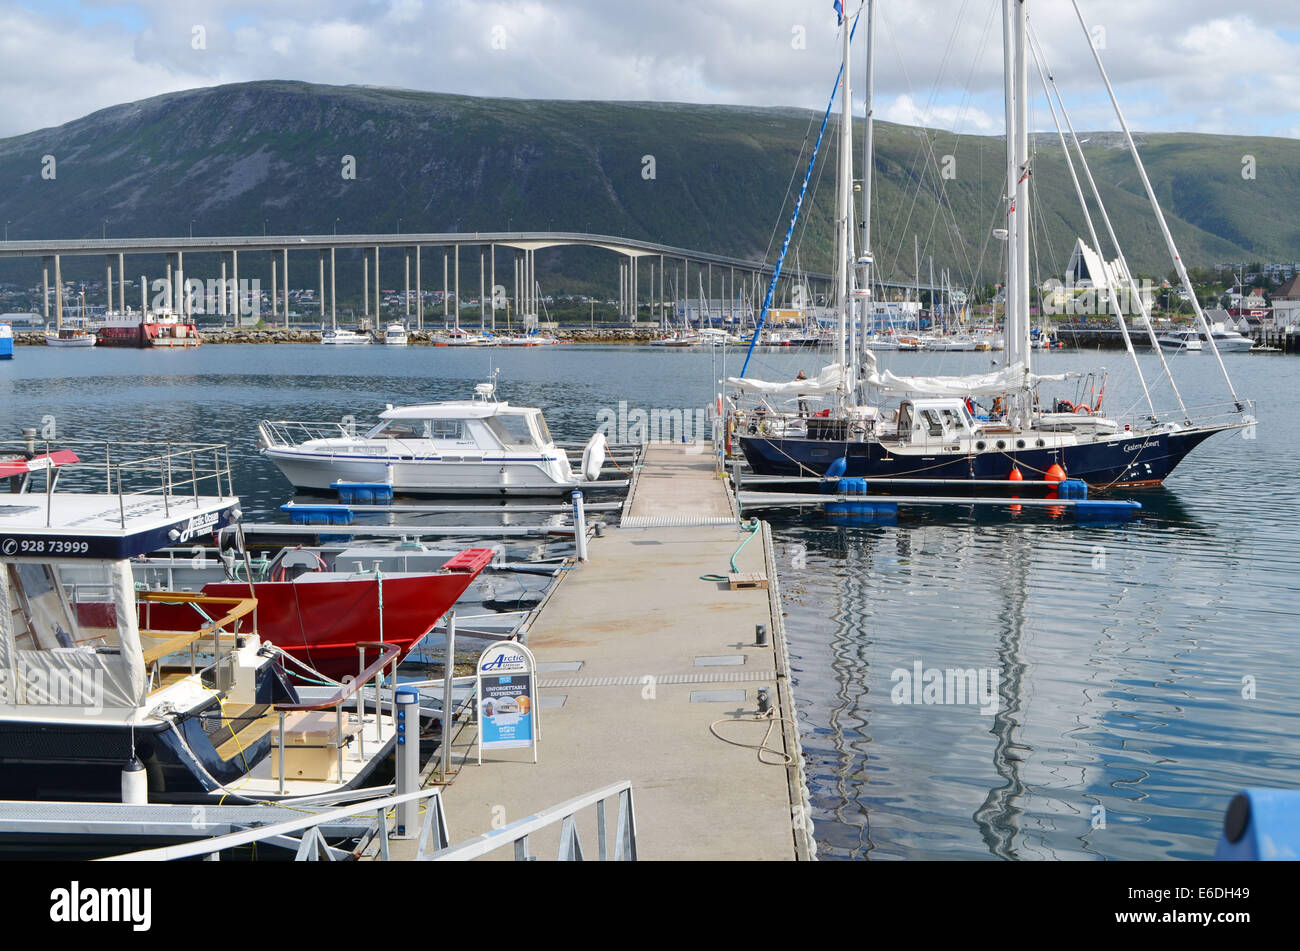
(651, 674)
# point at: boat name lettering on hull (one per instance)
(197, 524)
(1136, 446)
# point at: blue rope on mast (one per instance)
(785, 245)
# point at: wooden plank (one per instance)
(746, 579)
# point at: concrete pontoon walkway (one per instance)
(623, 645)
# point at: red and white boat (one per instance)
(144, 330)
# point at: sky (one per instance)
(1187, 66)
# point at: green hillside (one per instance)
(242, 158)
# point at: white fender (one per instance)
(593, 457)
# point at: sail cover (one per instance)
(830, 379)
(1014, 377)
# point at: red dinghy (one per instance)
(318, 617)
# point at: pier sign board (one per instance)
(505, 682)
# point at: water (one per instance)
(1144, 672)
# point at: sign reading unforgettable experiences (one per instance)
(507, 703)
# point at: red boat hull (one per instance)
(320, 622)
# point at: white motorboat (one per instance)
(460, 447)
(344, 338)
(395, 335)
(1182, 340)
(1229, 341)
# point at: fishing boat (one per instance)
(73, 332)
(481, 446)
(73, 336)
(111, 693)
(989, 425)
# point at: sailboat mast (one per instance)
(1013, 219)
(1022, 182)
(845, 190)
(868, 145)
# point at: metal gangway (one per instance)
(369, 821)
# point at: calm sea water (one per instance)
(1143, 673)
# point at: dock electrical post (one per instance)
(579, 526)
(408, 758)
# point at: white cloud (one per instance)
(959, 118)
(938, 61)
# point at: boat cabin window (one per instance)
(65, 610)
(444, 429)
(954, 420)
(540, 422)
(511, 429)
(931, 420)
(400, 429)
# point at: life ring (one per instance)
(1083, 409)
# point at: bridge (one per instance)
(634, 255)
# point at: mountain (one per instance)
(242, 158)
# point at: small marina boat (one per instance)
(395, 335)
(6, 342)
(460, 447)
(104, 698)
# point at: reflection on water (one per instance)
(1145, 671)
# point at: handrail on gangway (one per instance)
(517, 833)
(312, 843)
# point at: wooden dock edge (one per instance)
(805, 846)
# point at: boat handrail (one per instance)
(388, 652)
(211, 627)
(292, 432)
(171, 470)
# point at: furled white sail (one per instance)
(1006, 380)
(831, 378)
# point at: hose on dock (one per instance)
(752, 526)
